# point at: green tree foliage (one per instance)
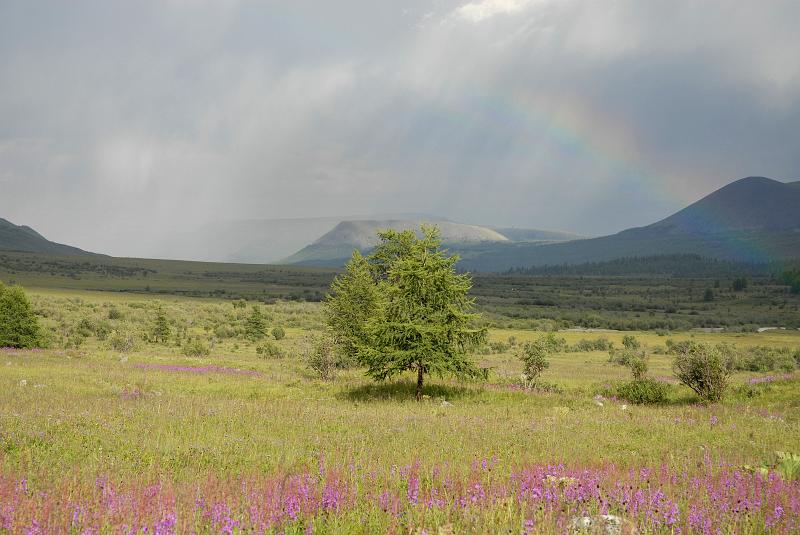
(739, 284)
(534, 357)
(703, 369)
(322, 358)
(638, 366)
(278, 333)
(161, 330)
(643, 391)
(420, 314)
(270, 350)
(196, 348)
(18, 324)
(791, 278)
(255, 326)
(351, 303)
(630, 342)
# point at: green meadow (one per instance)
(104, 403)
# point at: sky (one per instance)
(123, 122)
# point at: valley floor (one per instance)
(95, 439)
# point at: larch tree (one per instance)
(422, 317)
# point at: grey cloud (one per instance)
(123, 121)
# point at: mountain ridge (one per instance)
(335, 247)
(753, 219)
(22, 238)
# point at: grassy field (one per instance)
(146, 439)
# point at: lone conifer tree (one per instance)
(421, 319)
(255, 326)
(161, 330)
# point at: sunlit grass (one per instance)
(71, 416)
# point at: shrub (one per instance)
(122, 340)
(534, 361)
(598, 344)
(322, 358)
(196, 348)
(643, 391)
(625, 357)
(102, 329)
(552, 343)
(630, 342)
(757, 358)
(499, 347)
(278, 333)
(638, 366)
(224, 331)
(270, 350)
(18, 324)
(702, 368)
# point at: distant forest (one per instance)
(672, 265)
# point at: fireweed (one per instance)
(711, 498)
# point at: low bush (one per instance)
(598, 344)
(534, 361)
(625, 357)
(270, 350)
(643, 391)
(702, 368)
(322, 358)
(196, 348)
(761, 359)
(123, 340)
(278, 333)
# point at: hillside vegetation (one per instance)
(543, 301)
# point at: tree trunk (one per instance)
(419, 382)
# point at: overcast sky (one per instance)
(120, 121)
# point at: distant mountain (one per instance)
(21, 238)
(336, 246)
(754, 219)
(250, 241)
(536, 235)
(754, 203)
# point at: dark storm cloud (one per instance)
(120, 122)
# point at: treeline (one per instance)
(673, 265)
(16, 263)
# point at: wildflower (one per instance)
(413, 489)
(528, 527)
